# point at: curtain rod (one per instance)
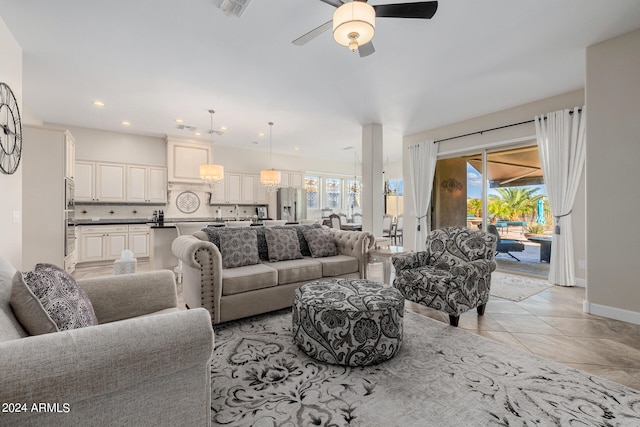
(496, 128)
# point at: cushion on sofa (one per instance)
(48, 300)
(304, 247)
(283, 244)
(338, 265)
(320, 241)
(239, 247)
(248, 278)
(297, 270)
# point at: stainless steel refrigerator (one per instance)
(292, 204)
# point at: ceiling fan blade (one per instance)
(420, 10)
(302, 40)
(334, 3)
(366, 49)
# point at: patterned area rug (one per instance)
(514, 287)
(441, 376)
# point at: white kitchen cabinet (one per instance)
(102, 242)
(110, 182)
(233, 187)
(218, 195)
(146, 184)
(296, 180)
(184, 159)
(139, 240)
(262, 196)
(285, 179)
(249, 188)
(85, 182)
(70, 155)
(157, 184)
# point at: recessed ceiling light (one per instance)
(98, 103)
(179, 121)
(296, 148)
(198, 134)
(224, 128)
(261, 134)
(125, 123)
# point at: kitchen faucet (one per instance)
(236, 212)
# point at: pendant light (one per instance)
(270, 178)
(211, 174)
(354, 24)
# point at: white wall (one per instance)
(11, 185)
(613, 155)
(503, 137)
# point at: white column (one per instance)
(372, 179)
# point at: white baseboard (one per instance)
(611, 312)
(581, 283)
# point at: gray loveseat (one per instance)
(145, 363)
(234, 293)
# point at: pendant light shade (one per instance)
(354, 24)
(211, 174)
(270, 178)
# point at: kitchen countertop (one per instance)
(168, 222)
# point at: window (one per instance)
(333, 192)
(394, 197)
(353, 194)
(312, 185)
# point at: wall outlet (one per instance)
(581, 264)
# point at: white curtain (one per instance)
(561, 144)
(422, 163)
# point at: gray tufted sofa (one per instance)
(234, 293)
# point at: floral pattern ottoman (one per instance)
(350, 322)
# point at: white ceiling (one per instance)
(153, 61)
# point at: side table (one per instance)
(384, 255)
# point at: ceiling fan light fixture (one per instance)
(354, 24)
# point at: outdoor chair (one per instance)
(506, 246)
(453, 273)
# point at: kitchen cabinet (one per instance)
(70, 155)
(120, 182)
(139, 240)
(233, 187)
(110, 182)
(85, 181)
(249, 188)
(184, 159)
(102, 242)
(146, 184)
(290, 179)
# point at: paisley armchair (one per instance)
(452, 275)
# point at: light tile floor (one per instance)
(550, 324)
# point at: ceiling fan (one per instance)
(354, 21)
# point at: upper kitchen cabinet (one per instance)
(70, 155)
(110, 182)
(184, 159)
(146, 184)
(291, 179)
(85, 181)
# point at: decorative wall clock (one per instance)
(187, 202)
(10, 132)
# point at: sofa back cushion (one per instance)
(320, 241)
(48, 300)
(10, 328)
(283, 243)
(239, 247)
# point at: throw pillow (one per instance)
(48, 300)
(304, 247)
(238, 247)
(282, 243)
(321, 243)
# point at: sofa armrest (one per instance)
(130, 295)
(202, 273)
(355, 244)
(407, 261)
(82, 365)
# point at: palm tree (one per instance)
(474, 207)
(514, 203)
